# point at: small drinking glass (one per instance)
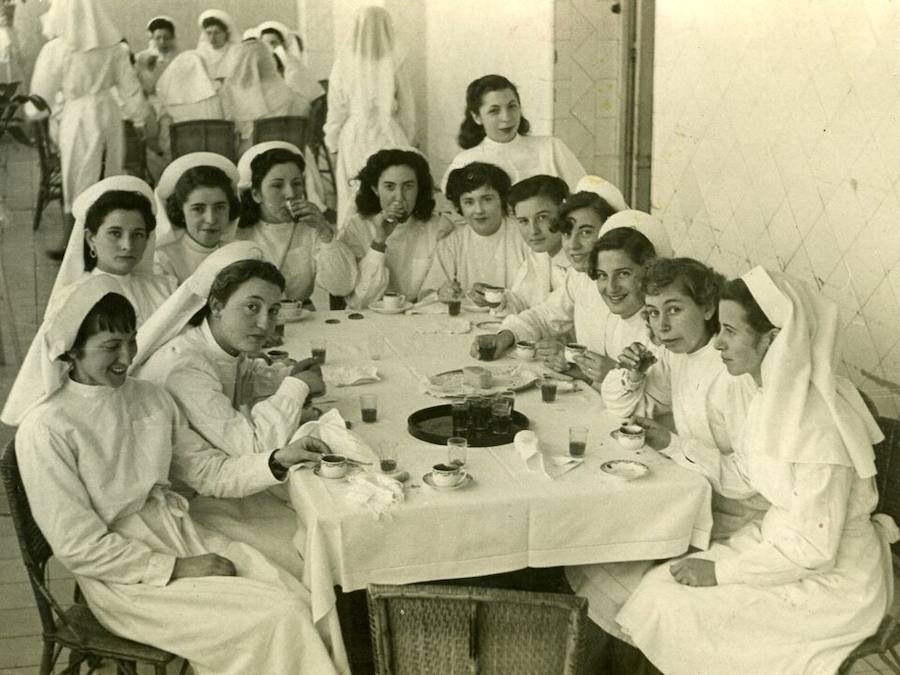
(457, 448)
(387, 456)
(577, 441)
(486, 347)
(548, 390)
(479, 413)
(368, 407)
(459, 410)
(454, 307)
(318, 348)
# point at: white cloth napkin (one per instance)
(528, 447)
(377, 492)
(450, 326)
(347, 376)
(428, 305)
(332, 429)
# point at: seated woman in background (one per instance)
(489, 250)
(95, 452)
(217, 44)
(197, 212)
(535, 203)
(255, 90)
(494, 131)
(797, 589)
(396, 230)
(200, 346)
(114, 235)
(288, 225)
(288, 47)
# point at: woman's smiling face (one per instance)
(500, 115)
(619, 282)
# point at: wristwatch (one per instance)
(277, 468)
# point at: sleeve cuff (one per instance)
(159, 569)
(727, 572)
(296, 389)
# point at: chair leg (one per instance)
(47, 658)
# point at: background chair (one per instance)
(463, 629)
(135, 153)
(203, 135)
(289, 128)
(74, 628)
(315, 136)
(887, 458)
(51, 186)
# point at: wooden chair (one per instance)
(203, 135)
(463, 629)
(75, 628)
(51, 186)
(315, 136)
(289, 128)
(886, 639)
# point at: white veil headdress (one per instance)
(604, 189)
(647, 225)
(186, 80)
(82, 24)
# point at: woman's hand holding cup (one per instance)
(656, 435)
(304, 449)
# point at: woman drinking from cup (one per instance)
(197, 212)
(495, 131)
(286, 222)
(395, 232)
(97, 451)
(798, 588)
(114, 235)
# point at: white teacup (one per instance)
(291, 305)
(333, 466)
(393, 300)
(574, 349)
(630, 436)
(446, 475)
(494, 295)
(525, 350)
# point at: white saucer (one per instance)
(291, 318)
(378, 306)
(469, 306)
(466, 480)
(318, 473)
(626, 469)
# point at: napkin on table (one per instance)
(332, 429)
(377, 492)
(347, 376)
(528, 446)
(428, 305)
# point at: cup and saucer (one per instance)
(447, 477)
(391, 303)
(629, 436)
(332, 467)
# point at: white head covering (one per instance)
(803, 357)
(160, 17)
(368, 63)
(219, 15)
(603, 188)
(647, 225)
(250, 34)
(255, 89)
(173, 315)
(245, 174)
(186, 80)
(81, 24)
(288, 37)
(210, 54)
(72, 267)
(43, 372)
(169, 179)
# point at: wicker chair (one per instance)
(462, 629)
(51, 186)
(315, 136)
(887, 458)
(289, 128)
(203, 136)
(74, 628)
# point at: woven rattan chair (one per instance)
(887, 458)
(74, 628)
(289, 128)
(315, 136)
(203, 136)
(51, 186)
(450, 630)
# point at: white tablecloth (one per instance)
(509, 518)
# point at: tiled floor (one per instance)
(29, 275)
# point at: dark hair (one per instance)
(549, 187)
(700, 283)
(475, 175)
(200, 177)
(279, 65)
(272, 31)
(230, 278)
(582, 200)
(626, 239)
(736, 290)
(259, 169)
(112, 312)
(161, 24)
(213, 21)
(367, 202)
(109, 201)
(470, 132)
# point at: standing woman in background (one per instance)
(494, 131)
(288, 47)
(370, 102)
(217, 44)
(83, 61)
(151, 62)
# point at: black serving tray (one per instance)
(435, 425)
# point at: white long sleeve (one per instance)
(134, 103)
(336, 269)
(373, 280)
(537, 322)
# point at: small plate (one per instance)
(302, 314)
(489, 323)
(467, 480)
(318, 473)
(626, 469)
(469, 306)
(378, 306)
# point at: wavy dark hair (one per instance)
(737, 291)
(701, 283)
(161, 24)
(626, 239)
(475, 175)
(109, 201)
(582, 200)
(200, 177)
(367, 201)
(251, 213)
(213, 21)
(230, 278)
(112, 312)
(470, 132)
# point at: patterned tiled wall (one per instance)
(777, 141)
(587, 74)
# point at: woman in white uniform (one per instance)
(796, 590)
(83, 62)
(95, 451)
(114, 235)
(286, 222)
(395, 231)
(370, 101)
(495, 131)
(288, 47)
(197, 211)
(217, 44)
